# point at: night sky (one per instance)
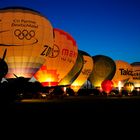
(106, 27)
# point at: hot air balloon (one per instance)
(85, 72)
(135, 77)
(74, 72)
(129, 87)
(107, 86)
(104, 69)
(122, 74)
(60, 61)
(25, 34)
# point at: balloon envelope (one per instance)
(24, 33)
(129, 86)
(85, 72)
(61, 60)
(75, 71)
(123, 72)
(104, 68)
(107, 86)
(135, 77)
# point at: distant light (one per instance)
(119, 85)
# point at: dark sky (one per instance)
(107, 27)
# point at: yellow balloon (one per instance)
(25, 34)
(129, 87)
(60, 61)
(85, 72)
(74, 72)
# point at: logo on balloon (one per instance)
(24, 34)
(126, 72)
(136, 75)
(54, 52)
(51, 52)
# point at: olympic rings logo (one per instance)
(24, 34)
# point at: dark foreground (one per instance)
(80, 104)
(70, 114)
(73, 111)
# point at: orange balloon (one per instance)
(60, 61)
(135, 77)
(123, 72)
(24, 33)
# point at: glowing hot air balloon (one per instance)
(135, 77)
(85, 72)
(104, 69)
(129, 87)
(75, 71)
(107, 86)
(123, 72)
(25, 34)
(60, 61)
